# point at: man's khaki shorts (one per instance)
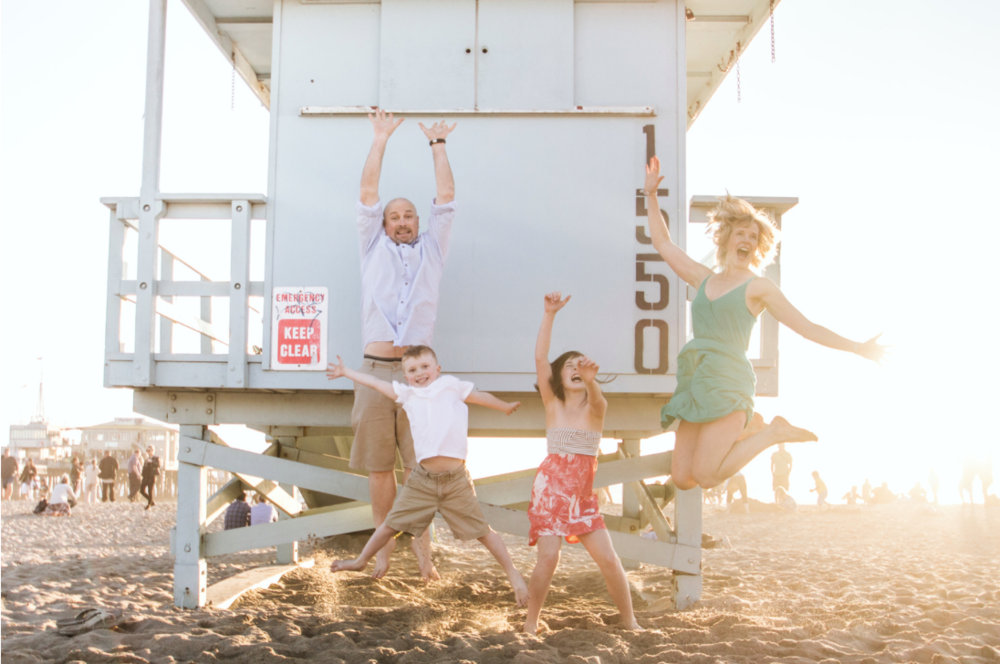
(450, 493)
(380, 424)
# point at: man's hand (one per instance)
(511, 407)
(554, 302)
(587, 369)
(436, 130)
(653, 177)
(334, 371)
(383, 126)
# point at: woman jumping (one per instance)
(719, 433)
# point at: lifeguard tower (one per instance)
(560, 104)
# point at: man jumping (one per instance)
(400, 281)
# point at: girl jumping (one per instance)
(563, 502)
(718, 432)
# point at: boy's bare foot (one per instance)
(783, 432)
(429, 572)
(346, 566)
(520, 591)
(382, 561)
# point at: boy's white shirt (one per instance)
(439, 418)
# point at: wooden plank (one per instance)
(650, 508)
(220, 500)
(278, 496)
(112, 330)
(663, 554)
(348, 520)
(206, 315)
(301, 475)
(223, 594)
(239, 292)
(634, 111)
(166, 325)
(688, 583)
(190, 572)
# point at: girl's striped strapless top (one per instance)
(573, 441)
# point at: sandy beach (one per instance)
(897, 583)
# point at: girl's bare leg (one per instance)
(496, 546)
(685, 444)
(598, 545)
(375, 543)
(541, 579)
(721, 452)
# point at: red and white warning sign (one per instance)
(299, 328)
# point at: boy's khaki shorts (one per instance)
(380, 424)
(450, 493)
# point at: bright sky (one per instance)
(879, 117)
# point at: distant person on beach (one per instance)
(820, 489)
(10, 469)
(934, 482)
(150, 473)
(29, 480)
(238, 513)
(784, 501)
(76, 474)
(781, 470)
(134, 467)
(401, 273)
(62, 499)
(437, 411)
(563, 503)
(108, 474)
(917, 494)
(882, 495)
(965, 484)
(866, 491)
(737, 482)
(262, 511)
(851, 496)
(719, 432)
(985, 473)
(91, 480)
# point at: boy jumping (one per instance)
(439, 420)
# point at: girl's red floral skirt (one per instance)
(563, 502)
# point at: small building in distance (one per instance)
(39, 440)
(125, 434)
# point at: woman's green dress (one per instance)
(714, 376)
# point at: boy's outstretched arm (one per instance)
(490, 401)
(338, 370)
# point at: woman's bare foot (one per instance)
(347, 565)
(530, 628)
(755, 425)
(520, 591)
(382, 559)
(783, 432)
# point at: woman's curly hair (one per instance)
(732, 212)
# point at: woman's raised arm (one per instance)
(543, 370)
(683, 265)
(767, 292)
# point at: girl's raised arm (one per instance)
(543, 370)
(683, 265)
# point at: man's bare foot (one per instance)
(347, 566)
(382, 561)
(520, 590)
(632, 625)
(530, 628)
(424, 560)
(783, 432)
(755, 425)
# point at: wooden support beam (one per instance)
(237, 375)
(650, 508)
(190, 571)
(688, 582)
(278, 496)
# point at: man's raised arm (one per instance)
(436, 134)
(383, 126)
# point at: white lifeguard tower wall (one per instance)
(557, 111)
